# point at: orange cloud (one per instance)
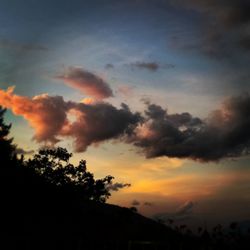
(50, 117)
(45, 114)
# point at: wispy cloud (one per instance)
(117, 186)
(151, 66)
(9, 44)
(86, 82)
(182, 213)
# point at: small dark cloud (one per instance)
(151, 66)
(9, 44)
(109, 66)
(146, 203)
(86, 82)
(135, 203)
(117, 186)
(184, 212)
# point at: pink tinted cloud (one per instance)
(86, 82)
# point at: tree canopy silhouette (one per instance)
(54, 166)
(49, 166)
(7, 148)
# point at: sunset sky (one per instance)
(153, 92)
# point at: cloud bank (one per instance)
(223, 134)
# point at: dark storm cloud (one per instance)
(225, 26)
(86, 82)
(117, 186)
(99, 122)
(225, 133)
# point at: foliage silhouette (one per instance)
(7, 148)
(54, 166)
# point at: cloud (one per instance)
(22, 151)
(184, 212)
(49, 116)
(186, 208)
(8, 44)
(98, 122)
(231, 13)
(86, 82)
(109, 66)
(223, 134)
(147, 203)
(126, 90)
(152, 66)
(116, 186)
(225, 26)
(135, 203)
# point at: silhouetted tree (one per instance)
(7, 149)
(54, 166)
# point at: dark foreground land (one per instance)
(38, 215)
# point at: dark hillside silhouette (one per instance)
(47, 203)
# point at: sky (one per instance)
(155, 93)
